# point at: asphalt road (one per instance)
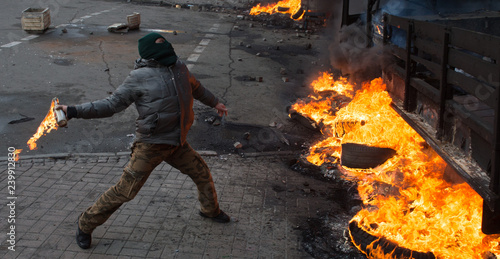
(78, 60)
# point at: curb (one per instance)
(63, 156)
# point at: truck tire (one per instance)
(363, 156)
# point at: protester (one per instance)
(162, 89)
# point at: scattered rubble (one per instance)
(133, 23)
(210, 120)
(118, 27)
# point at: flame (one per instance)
(16, 154)
(320, 109)
(406, 199)
(287, 6)
(48, 124)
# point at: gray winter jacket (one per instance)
(163, 97)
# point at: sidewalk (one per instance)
(265, 199)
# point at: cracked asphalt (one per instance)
(78, 60)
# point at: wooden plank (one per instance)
(399, 22)
(474, 66)
(428, 90)
(480, 43)
(399, 52)
(480, 90)
(399, 71)
(435, 68)
(485, 115)
(470, 171)
(479, 125)
(429, 31)
(429, 47)
(472, 103)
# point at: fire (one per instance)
(285, 6)
(406, 199)
(48, 124)
(318, 110)
(16, 154)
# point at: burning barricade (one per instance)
(409, 209)
(292, 7)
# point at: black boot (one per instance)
(82, 239)
(221, 218)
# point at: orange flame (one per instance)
(48, 124)
(285, 6)
(16, 154)
(406, 199)
(320, 110)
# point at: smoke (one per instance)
(352, 54)
(351, 50)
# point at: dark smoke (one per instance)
(351, 50)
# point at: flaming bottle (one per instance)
(60, 116)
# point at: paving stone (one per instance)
(162, 221)
(116, 247)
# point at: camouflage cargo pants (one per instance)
(144, 158)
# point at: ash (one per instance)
(326, 235)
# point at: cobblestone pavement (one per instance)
(266, 200)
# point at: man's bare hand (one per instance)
(64, 108)
(221, 109)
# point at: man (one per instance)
(162, 89)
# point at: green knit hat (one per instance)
(162, 52)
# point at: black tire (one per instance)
(367, 243)
(364, 157)
(297, 14)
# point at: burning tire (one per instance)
(298, 14)
(367, 243)
(364, 157)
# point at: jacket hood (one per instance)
(140, 63)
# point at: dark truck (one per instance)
(445, 82)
